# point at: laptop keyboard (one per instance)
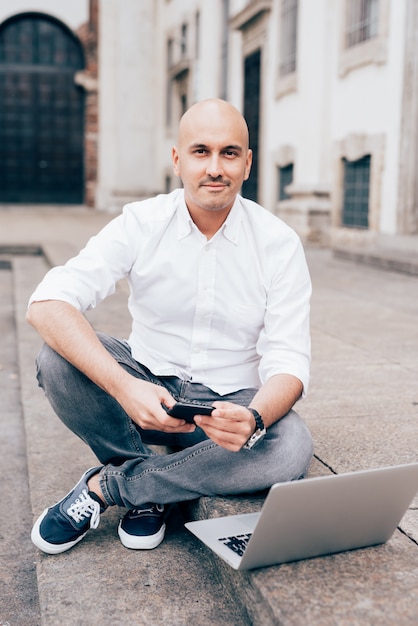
(236, 543)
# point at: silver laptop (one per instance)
(313, 517)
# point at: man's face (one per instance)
(212, 157)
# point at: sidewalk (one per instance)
(362, 409)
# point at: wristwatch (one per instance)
(259, 433)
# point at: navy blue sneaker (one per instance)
(64, 524)
(143, 528)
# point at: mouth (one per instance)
(217, 185)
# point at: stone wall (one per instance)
(87, 79)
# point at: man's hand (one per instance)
(230, 425)
(142, 401)
(68, 332)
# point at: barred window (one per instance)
(362, 21)
(285, 179)
(356, 193)
(184, 40)
(288, 36)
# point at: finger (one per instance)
(225, 424)
(223, 435)
(158, 419)
(223, 404)
(166, 398)
(174, 424)
(226, 440)
(229, 411)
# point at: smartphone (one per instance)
(187, 410)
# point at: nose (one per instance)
(214, 166)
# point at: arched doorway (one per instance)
(41, 112)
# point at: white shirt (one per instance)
(228, 313)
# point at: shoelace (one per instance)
(153, 508)
(83, 507)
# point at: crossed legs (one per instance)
(132, 473)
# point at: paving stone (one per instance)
(361, 408)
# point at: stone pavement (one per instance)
(362, 409)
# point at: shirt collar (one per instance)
(232, 224)
(184, 221)
(230, 228)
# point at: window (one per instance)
(362, 21)
(183, 40)
(288, 36)
(178, 71)
(169, 86)
(197, 34)
(170, 46)
(356, 193)
(167, 183)
(183, 103)
(224, 49)
(285, 179)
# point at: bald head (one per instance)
(213, 114)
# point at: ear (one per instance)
(176, 160)
(248, 163)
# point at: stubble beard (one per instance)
(214, 203)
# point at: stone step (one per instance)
(99, 581)
(393, 253)
(18, 590)
(181, 580)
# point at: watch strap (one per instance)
(259, 424)
(260, 430)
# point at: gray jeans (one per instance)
(133, 473)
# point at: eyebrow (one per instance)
(237, 148)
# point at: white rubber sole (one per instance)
(149, 542)
(45, 546)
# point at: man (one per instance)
(219, 298)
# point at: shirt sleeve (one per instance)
(88, 278)
(284, 344)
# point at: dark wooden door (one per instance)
(41, 112)
(252, 67)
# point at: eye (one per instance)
(230, 154)
(200, 151)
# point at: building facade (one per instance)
(329, 89)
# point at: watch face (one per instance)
(255, 438)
